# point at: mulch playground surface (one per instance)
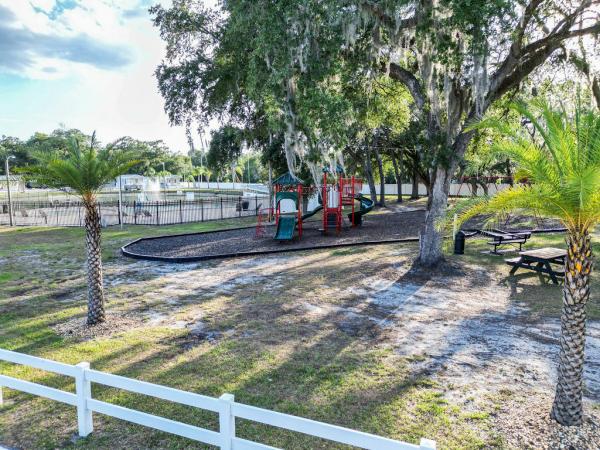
(392, 224)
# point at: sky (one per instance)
(85, 64)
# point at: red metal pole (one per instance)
(339, 207)
(324, 200)
(299, 211)
(352, 191)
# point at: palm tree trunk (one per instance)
(94, 263)
(568, 400)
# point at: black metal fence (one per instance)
(170, 212)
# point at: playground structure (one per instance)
(343, 192)
(334, 195)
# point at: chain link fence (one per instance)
(71, 213)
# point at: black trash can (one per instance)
(459, 243)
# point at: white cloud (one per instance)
(106, 49)
(44, 5)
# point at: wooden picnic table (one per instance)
(540, 260)
(502, 237)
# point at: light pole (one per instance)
(248, 181)
(121, 201)
(164, 183)
(10, 215)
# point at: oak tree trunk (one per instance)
(486, 188)
(94, 263)
(568, 400)
(431, 239)
(369, 175)
(381, 177)
(509, 173)
(397, 163)
(474, 188)
(414, 195)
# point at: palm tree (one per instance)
(84, 170)
(559, 156)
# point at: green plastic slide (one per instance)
(285, 228)
(366, 205)
(312, 213)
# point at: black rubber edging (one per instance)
(187, 259)
(162, 236)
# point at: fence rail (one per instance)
(169, 212)
(226, 407)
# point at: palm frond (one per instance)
(561, 165)
(84, 169)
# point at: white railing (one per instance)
(225, 406)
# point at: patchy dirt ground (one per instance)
(464, 320)
(77, 327)
(352, 336)
(463, 329)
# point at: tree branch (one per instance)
(522, 70)
(560, 36)
(524, 22)
(411, 82)
(521, 61)
(386, 20)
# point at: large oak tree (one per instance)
(288, 58)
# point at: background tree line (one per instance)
(155, 158)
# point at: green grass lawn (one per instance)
(268, 353)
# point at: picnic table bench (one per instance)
(540, 260)
(501, 237)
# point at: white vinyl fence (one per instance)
(456, 189)
(225, 406)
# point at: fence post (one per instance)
(201, 210)
(427, 444)
(454, 226)
(221, 208)
(256, 204)
(226, 422)
(83, 389)
(241, 206)
(157, 214)
(180, 212)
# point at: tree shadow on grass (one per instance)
(283, 358)
(543, 301)
(310, 368)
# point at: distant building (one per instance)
(131, 182)
(17, 184)
(170, 181)
(134, 182)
